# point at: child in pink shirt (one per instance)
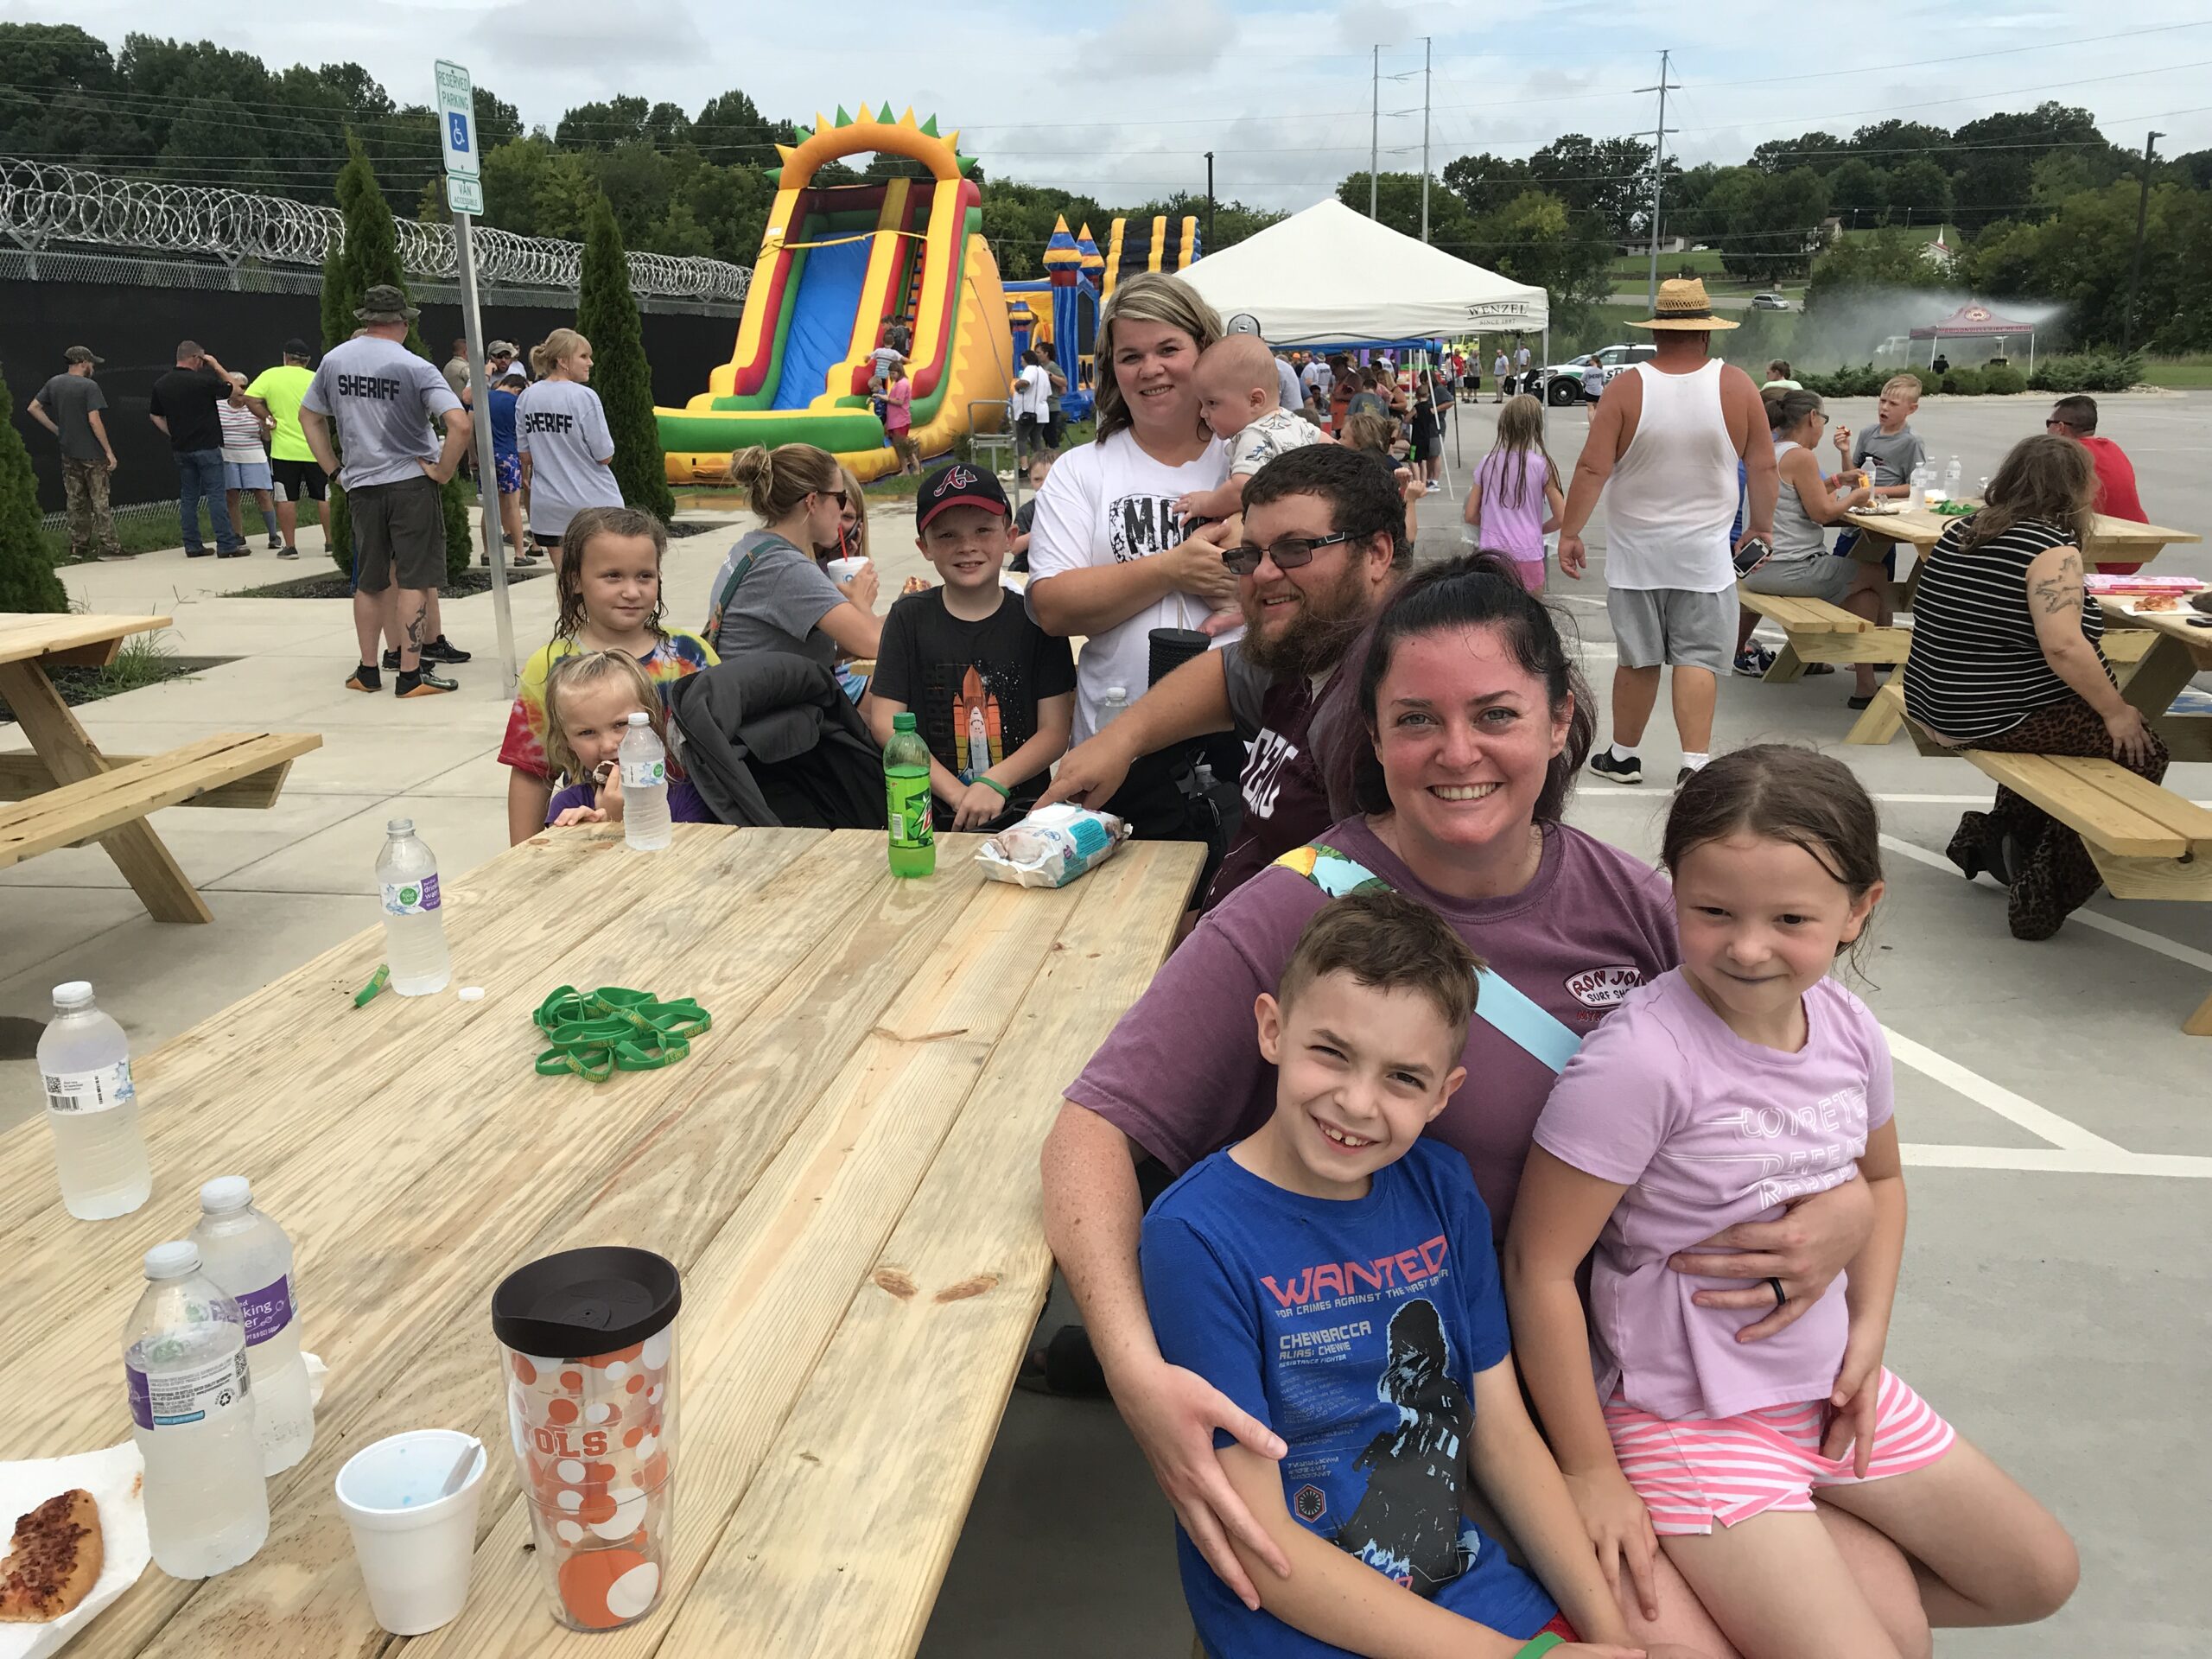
(1719, 1093)
(899, 420)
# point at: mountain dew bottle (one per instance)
(906, 791)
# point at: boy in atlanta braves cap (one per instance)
(993, 693)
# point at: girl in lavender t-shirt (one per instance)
(1717, 1094)
(1514, 496)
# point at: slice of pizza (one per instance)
(52, 1560)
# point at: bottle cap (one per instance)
(226, 1193)
(641, 718)
(902, 723)
(72, 994)
(584, 1302)
(400, 827)
(172, 1259)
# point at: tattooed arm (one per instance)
(2055, 601)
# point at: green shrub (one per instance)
(27, 578)
(2004, 381)
(1964, 383)
(2091, 371)
(607, 315)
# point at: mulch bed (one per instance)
(79, 686)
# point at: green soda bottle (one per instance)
(906, 790)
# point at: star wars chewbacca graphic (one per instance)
(1407, 1524)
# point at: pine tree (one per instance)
(607, 315)
(371, 256)
(27, 578)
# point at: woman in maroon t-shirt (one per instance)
(1478, 723)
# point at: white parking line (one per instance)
(2037, 1120)
(2089, 918)
(2037, 1161)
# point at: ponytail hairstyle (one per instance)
(1782, 792)
(554, 350)
(1475, 590)
(582, 668)
(1787, 411)
(776, 481)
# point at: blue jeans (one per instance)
(199, 473)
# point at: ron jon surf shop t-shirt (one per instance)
(1355, 1330)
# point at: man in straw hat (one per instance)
(384, 398)
(1667, 435)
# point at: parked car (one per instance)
(1562, 384)
(1769, 302)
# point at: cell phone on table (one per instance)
(1751, 555)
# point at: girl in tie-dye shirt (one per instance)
(610, 595)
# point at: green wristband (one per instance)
(1542, 1642)
(1005, 794)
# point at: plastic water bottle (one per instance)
(1112, 705)
(1954, 476)
(192, 1402)
(414, 921)
(92, 1107)
(907, 799)
(250, 1260)
(646, 827)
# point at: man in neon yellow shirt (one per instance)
(276, 394)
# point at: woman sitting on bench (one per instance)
(2005, 655)
(1802, 567)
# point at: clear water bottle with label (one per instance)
(1112, 705)
(92, 1107)
(249, 1258)
(414, 922)
(907, 799)
(645, 826)
(185, 1367)
(1954, 477)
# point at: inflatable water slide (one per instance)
(840, 265)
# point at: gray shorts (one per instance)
(1823, 577)
(1672, 628)
(399, 530)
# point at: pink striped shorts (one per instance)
(1694, 1473)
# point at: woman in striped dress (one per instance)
(2005, 655)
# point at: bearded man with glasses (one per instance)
(1324, 543)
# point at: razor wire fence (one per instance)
(65, 221)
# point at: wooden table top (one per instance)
(25, 634)
(1923, 529)
(2119, 609)
(845, 1170)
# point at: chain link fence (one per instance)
(56, 216)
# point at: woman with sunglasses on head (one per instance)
(770, 594)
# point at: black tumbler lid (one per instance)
(585, 1302)
(1172, 647)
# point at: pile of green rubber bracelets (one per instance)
(596, 1033)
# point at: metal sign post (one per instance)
(465, 195)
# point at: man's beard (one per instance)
(1319, 635)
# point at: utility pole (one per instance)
(1426, 43)
(1658, 173)
(1210, 242)
(2135, 266)
(1374, 134)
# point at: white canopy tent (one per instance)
(1330, 276)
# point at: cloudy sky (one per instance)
(1123, 104)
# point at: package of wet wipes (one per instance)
(1051, 846)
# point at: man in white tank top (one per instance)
(1667, 435)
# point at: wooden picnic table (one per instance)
(2116, 541)
(2179, 653)
(844, 1170)
(77, 794)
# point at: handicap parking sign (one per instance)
(457, 136)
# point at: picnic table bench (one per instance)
(64, 791)
(2126, 652)
(1815, 631)
(844, 1170)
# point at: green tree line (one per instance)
(2037, 196)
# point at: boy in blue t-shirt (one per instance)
(1332, 1273)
